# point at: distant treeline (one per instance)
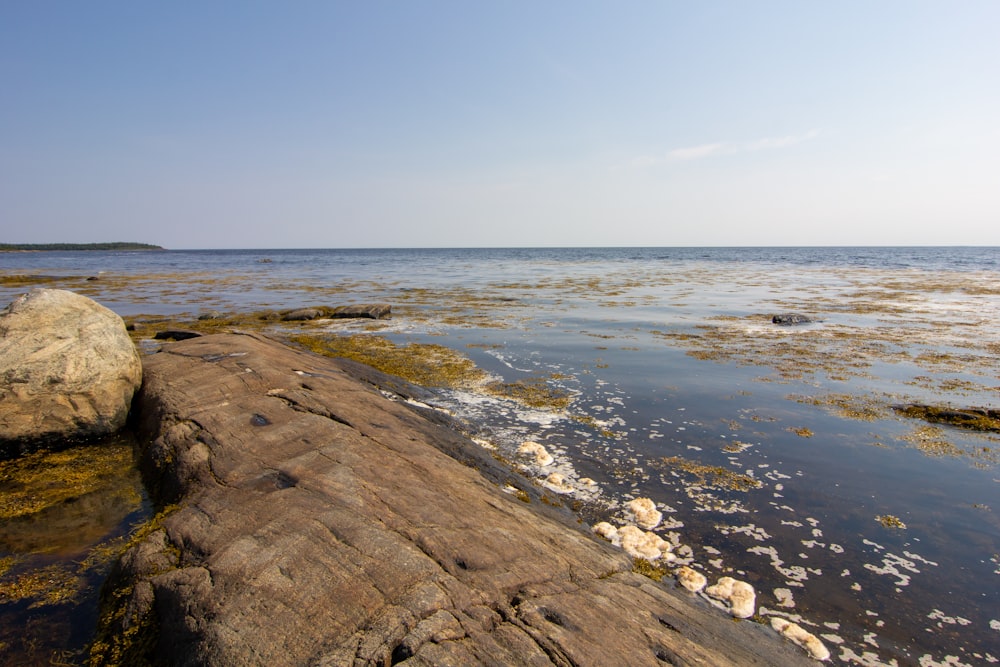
(118, 245)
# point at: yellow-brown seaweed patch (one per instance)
(711, 476)
(421, 363)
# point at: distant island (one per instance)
(117, 245)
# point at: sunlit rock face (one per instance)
(68, 369)
(319, 522)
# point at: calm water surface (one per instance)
(681, 385)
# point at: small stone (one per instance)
(790, 318)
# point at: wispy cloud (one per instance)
(703, 151)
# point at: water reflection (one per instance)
(63, 517)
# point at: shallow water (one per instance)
(772, 450)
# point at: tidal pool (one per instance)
(775, 454)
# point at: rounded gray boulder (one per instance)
(68, 369)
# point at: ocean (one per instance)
(779, 455)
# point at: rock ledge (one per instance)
(319, 523)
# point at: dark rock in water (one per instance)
(340, 532)
(68, 369)
(302, 314)
(975, 419)
(374, 311)
(371, 311)
(176, 334)
(791, 318)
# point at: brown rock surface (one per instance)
(68, 369)
(320, 523)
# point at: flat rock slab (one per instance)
(320, 523)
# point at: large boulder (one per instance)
(68, 369)
(316, 522)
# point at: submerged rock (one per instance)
(345, 531)
(67, 366)
(176, 334)
(302, 314)
(375, 311)
(791, 318)
(974, 419)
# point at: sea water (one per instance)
(775, 453)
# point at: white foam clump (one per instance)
(557, 482)
(645, 513)
(739, 595)
(691, 579)
(608, 532)
(639, 543)
(805, 639)
(529, 448)
(636, 542)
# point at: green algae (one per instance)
(647, 569)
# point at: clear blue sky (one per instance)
(373, 124)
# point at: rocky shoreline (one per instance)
(310, 518)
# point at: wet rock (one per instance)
(302, 314)
(68, 369)
(370, 311)
(376, 547)
(791, 318)
(974, 419)
(375, 311)
(176, 334)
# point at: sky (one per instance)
(323, 124)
